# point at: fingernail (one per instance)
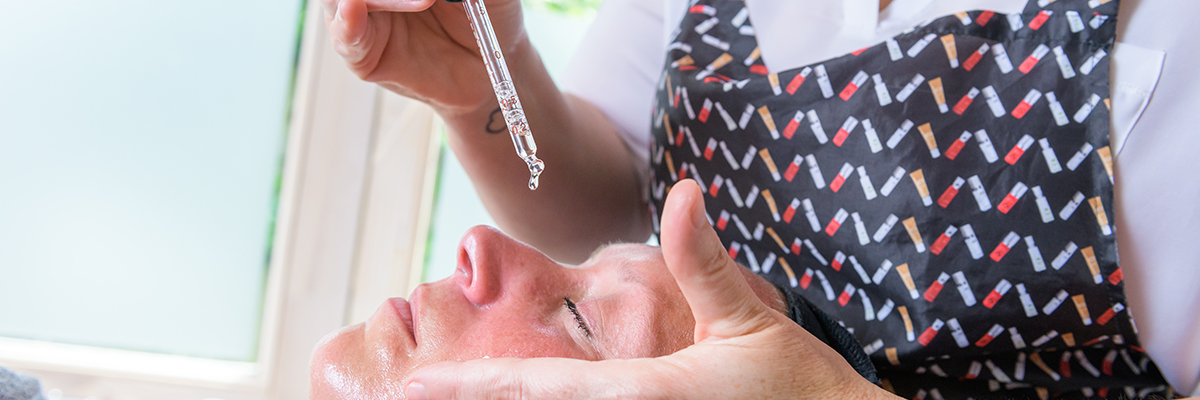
(416, 391)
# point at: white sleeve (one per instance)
(617, 67)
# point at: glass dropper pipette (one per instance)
(506, 93)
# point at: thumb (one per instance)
(721, 300)
(539, 378)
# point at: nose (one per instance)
(491, 263)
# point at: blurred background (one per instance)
(193, 194)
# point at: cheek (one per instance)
(497, 338)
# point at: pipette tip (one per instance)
(536, 167)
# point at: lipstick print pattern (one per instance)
(941, 342)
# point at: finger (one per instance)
(349, 29)
(399, 5)
(329, 6)
(721, 300)
(541, 378)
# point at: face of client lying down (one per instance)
(506, 299)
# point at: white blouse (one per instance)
(1155, 143)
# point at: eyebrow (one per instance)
(627, 270)
(629, 273)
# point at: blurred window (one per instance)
(141, 147)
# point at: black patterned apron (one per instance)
(946, 194)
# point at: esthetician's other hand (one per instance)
(423, 49)
(743, 349)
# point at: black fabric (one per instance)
(827, 330)
(931, 304)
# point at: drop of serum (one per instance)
(536, 167)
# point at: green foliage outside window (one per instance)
(573, 7)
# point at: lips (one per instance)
(404, 308)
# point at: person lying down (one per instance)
(507, 299)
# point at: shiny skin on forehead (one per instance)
(633, 305)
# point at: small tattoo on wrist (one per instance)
(495, 124)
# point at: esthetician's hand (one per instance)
(743, 349)
(423, 49)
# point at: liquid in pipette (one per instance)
(506, 94)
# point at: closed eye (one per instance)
(578, 318)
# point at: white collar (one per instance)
(848, 25)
